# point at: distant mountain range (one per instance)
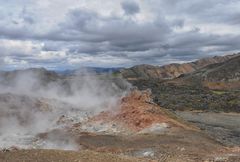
(214, 69)
(224, 75)
(172, 70)
(225, 71)
(97, 70)
(210, 84)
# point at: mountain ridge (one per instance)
(171, 71)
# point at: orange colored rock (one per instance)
(137, 112)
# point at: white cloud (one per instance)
(19, 47)
(10, 61)
(59, 33)
(45, 55)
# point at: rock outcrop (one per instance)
(137, 113)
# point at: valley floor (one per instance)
(224, 127)
(182, 146)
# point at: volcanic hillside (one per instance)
(101, 114)
(172, 70)
(225, 75)
(138, 114)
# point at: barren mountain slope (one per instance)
(172, 70)
(225, 75)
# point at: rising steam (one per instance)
(35, 101)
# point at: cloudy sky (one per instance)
(62, 34)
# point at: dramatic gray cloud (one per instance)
(67, 34)
(130, 7)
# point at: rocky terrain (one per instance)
(88, 117)
(224, 127)
(138, 131)
(208, 98)
(191, 97)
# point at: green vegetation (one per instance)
(191, 97)
(116, 74)
(219, 92)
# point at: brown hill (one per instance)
(225, 75)
(172, 70)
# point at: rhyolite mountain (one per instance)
(172, 70)
(215, 87)
(225, 71)
(224, 75)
